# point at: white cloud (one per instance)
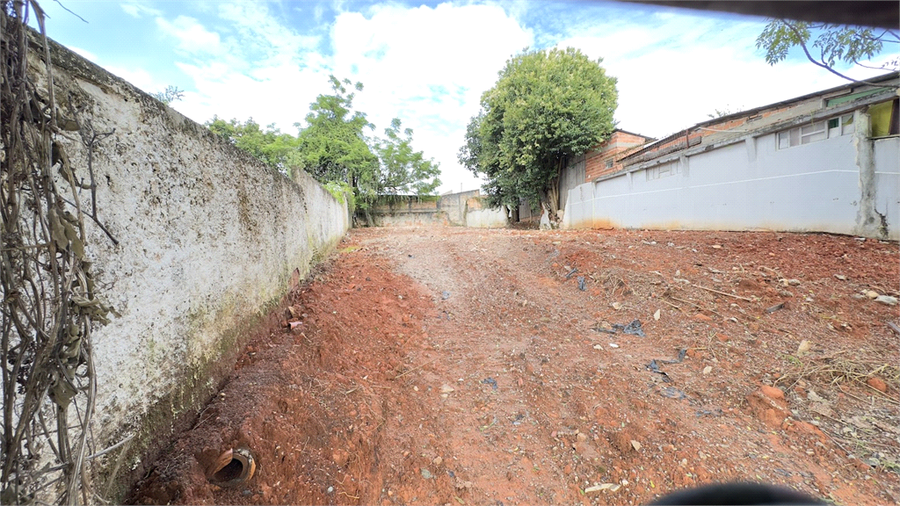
(137, 9)
(671, 77)
(138, 77)
(192, 36)
(84, 53)
(427, 66)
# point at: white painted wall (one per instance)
(887, 181)
(487, 218)
(746, 186)
(208, 239)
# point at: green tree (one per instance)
(403, 170)
(833, 44)
(546, 107)
(270, 146)
(333, 145)
(171, 94)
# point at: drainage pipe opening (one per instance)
(233, 467)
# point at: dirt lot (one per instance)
(455, 366)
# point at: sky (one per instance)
(427, 63)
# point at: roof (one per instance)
(632, 133)
(760, 124)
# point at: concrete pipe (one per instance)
(233, 467)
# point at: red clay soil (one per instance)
(458, 366)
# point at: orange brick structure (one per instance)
(604, 159)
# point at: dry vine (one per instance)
(49, 304)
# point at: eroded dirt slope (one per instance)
(454, 366)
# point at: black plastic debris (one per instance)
(581, 283)
(654, 367)
(681, 353)
(672, 393)
(634, 328)
(573, 271)
(490, 381)
(774, 308)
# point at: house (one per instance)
(599, 161)
(825, 162)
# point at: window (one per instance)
(815, 131)
(847, 124)
(609, 163)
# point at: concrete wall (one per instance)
(571, 176)
(478, 215)
(454, 204)
(458, 209)
(209, 239)
(746, 186)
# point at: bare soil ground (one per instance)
(458, 366)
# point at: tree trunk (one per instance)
(553, 191)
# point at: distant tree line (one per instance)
(333, 148)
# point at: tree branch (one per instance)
(825, 66)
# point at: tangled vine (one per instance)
(49, 302)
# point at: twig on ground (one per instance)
(415, 368)
(722, 293)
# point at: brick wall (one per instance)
(603, 159)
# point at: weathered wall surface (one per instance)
(478, 215)
(457, 209)
(208, 239)
(747, 186)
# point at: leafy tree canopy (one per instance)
(270, 146)
(546, 107)
(333, 145)
(834, 43)
(334, 149)
(402, 170)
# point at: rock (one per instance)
(772, 392)
(702, 317)
(707, 369)
(656, 314)
(340, 457)
(616, 305)
(803, 348)
(636, 445)
(426, 474)
(716, 246)
(840, 277)
(791, 282)
(437, 460)
(872, 294)
(886, 299)
(877, 384)
(814, 397)
(446, 389)
(770, 410)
